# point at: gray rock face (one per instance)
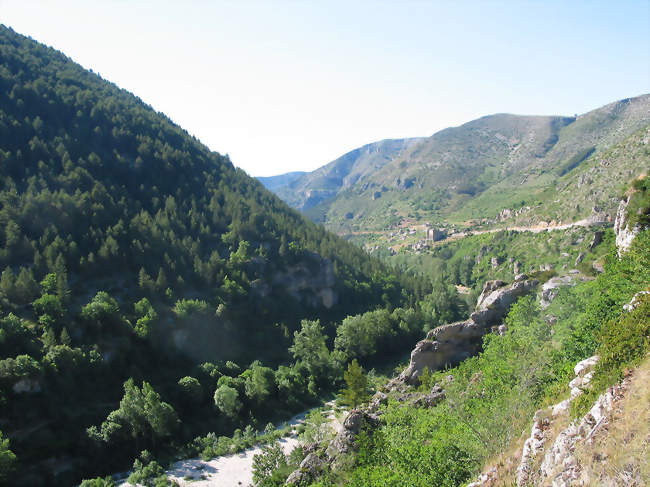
(313, 284)
(27, 386)
(635, 301)
(344, 440)
(309, 468)
(452, 343)
(598, 238)
(624, 235)
(495, 305)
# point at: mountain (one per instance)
(475, 171)
(274, 182)
(136, 261)
(315, 187)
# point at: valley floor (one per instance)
(236, 470)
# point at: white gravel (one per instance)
(234, 470)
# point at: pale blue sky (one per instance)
(283, 86)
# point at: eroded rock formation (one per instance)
(452, 343)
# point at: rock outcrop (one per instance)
(536, 442)
(312, 283)
(452, 343)
(560, 464)
(552, 287)
(624, 234)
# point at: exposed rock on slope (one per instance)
(624, 234)
(535, 444)
(452, 343)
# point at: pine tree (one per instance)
(65, 337)
(357, 385)
(7, 282)
(144, 281)
(161, 280)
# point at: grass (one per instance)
(622, 456)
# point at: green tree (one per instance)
(98, 482)
(101, 309)
(226, 398)
(142, 414)
(259, 381)
(26, 287)
(310, 347)
(267, 463)
(357, 385)
(7, 282)
(7, 459)
(146, 316)
(191, 388)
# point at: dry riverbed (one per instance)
(235, 470)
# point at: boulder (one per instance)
(312, 463)
(433, 398)
(353, 421)
(309, 468)
(597, 240)
(635, 301)
(378, 400)
(488, 288)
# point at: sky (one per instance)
(285, 86)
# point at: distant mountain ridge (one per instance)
(273, 182)
(314, 187)
(473, 171)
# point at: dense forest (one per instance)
(152, 292)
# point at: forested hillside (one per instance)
(138, 266)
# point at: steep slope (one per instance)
(328, 181)
(499, 162)
(129, 249)
(592, 160)
(274, 182)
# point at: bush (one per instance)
(624, 342)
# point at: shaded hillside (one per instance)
(129, 250)
(483, 167)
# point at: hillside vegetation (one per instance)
(525, 165)
(487, 403)
(147, 285)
